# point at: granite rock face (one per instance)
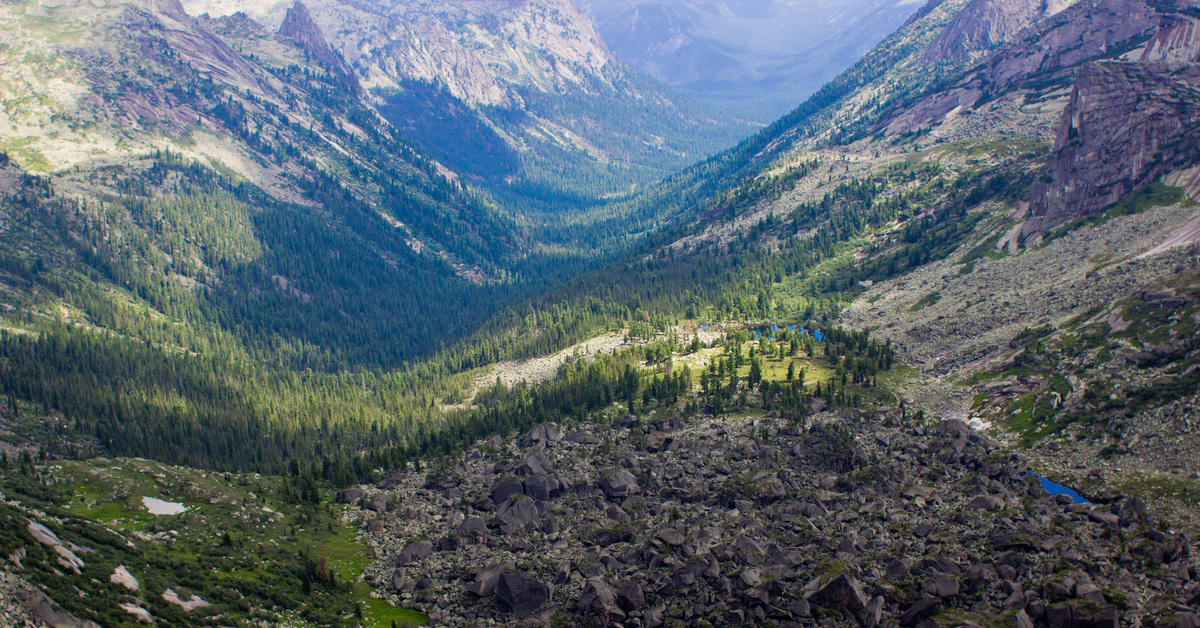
(1127, 124)
(987, 23)
(299, 26)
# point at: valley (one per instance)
(424, 314)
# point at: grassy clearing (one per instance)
(379, 614)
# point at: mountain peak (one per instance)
(299, 26)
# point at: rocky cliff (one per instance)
(299, 26)
(1126, 125)
(483, 53)
(987, 23)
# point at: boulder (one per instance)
(398, 580)
(945, 586)
(475, 526)
(671, 537)
(542, 487)
(616, 513)
(522, 592)
(486, 580)
(749, 578)
(506, 488)
(535, 464)
(562, 575)
(981, 575)
(1088, 615)
(630, 595)
(897, 569)
(600, 600)
(349, 495)
(1091, 593)
(522, 514)
(618, 484)
(924, 607)
(415, 550)
(842, 591)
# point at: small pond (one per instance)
(1054, 488)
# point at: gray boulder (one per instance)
(45, 615)
(506, 488)
(542, 487)
(924, 607)
(600, 600)
(523, 513)
(619, 483)
(842, 591)
(415, 550)
(630, 595)
(486, 580)
(522, 592)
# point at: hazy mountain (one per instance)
(756, 58)
(510, 90)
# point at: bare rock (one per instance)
(840, 592)
(415, 550)
(522, 592)
(618, 484)
(600, 600)
(486, 581)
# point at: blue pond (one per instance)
(1054, 488)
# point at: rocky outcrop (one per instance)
(298, 25)
(45, 615)
(482, 53)
(1177, 39)
(987, 23)
(1061, 42)
(1127, 124)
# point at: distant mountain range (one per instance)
(753, 58)
(508, 91)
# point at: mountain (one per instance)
(517, 92)
(754, 59)
(208, 170)
(921, 352)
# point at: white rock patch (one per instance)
(189, 605)
(137, 611)
(162, 507)
(122, 576)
